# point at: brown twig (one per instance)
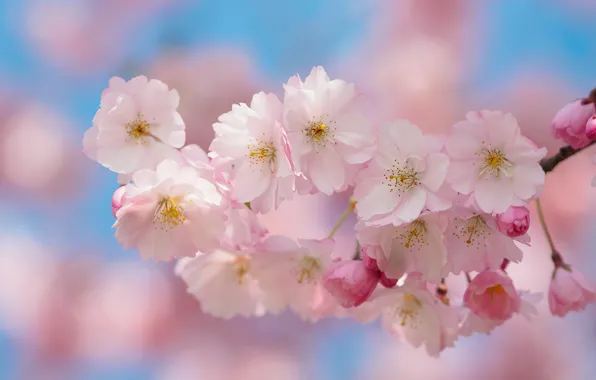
(548, 164)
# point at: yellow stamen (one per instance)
(241, 268)
(320, 132)
(409, 309)
(495, 290)
(308, 268)
(169, 213)
(261, 152)
(494, 162)
(472, 230)
(401, 178)
(139, 129)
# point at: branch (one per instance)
(549, 164)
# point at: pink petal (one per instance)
(411, 205)
(436, 171)
(327, 171)
(250, 181)
(378, 201)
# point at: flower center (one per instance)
(169, 213)
(241, 267)
(414, 234)
(261, 153)
(320, 132)
(494, 163)
(308, 269)
(495, 290)
(401, 178)
(408, 309)
(138, 129)
(472, 230)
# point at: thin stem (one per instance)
(468, 277)
(549, 237)
(342, 218)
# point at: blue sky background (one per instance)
(520, 33)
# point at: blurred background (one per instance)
(74, 305)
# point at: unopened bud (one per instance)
(515, 221)
(117, 199)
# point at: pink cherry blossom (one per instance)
(591, 128)
(117, 199)
(414, 247)
(403, 177)
(412, 313)
(224, 282)
(293, 273)
(170, 212)
(491, 295)
(569, 291)
(252, 141)
(136, 127)
(515, 221)
(569, 124)
(243, 229)
(492, 161)
(350, 282)
(473, 323)
(474, 243)
(327, 131)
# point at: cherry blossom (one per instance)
(403, 178)
(569, 124)
(253, 141)
(492, 161)
(412, 313)
(515, 221)
(327, 131)
(473, 323)
(491, 295)
(136, 127)
(117, 199)
(293, 272)
(474, 242)
(427, 208)
(569, 291)
(225, 285)
(170, 212)
(418, 246)
(350, 282)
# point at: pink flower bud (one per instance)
(569, 291)
(591, 128)
(491, 295)
(515, 221)
(569, 123)
(368, 261)
(350, 282)
(386, 281)
(117, 199)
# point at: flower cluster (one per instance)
(428, 207)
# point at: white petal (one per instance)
(327, 171)
(380, 200)
(436, 171)
(411, 205)
(494, 196)
(250, 181)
